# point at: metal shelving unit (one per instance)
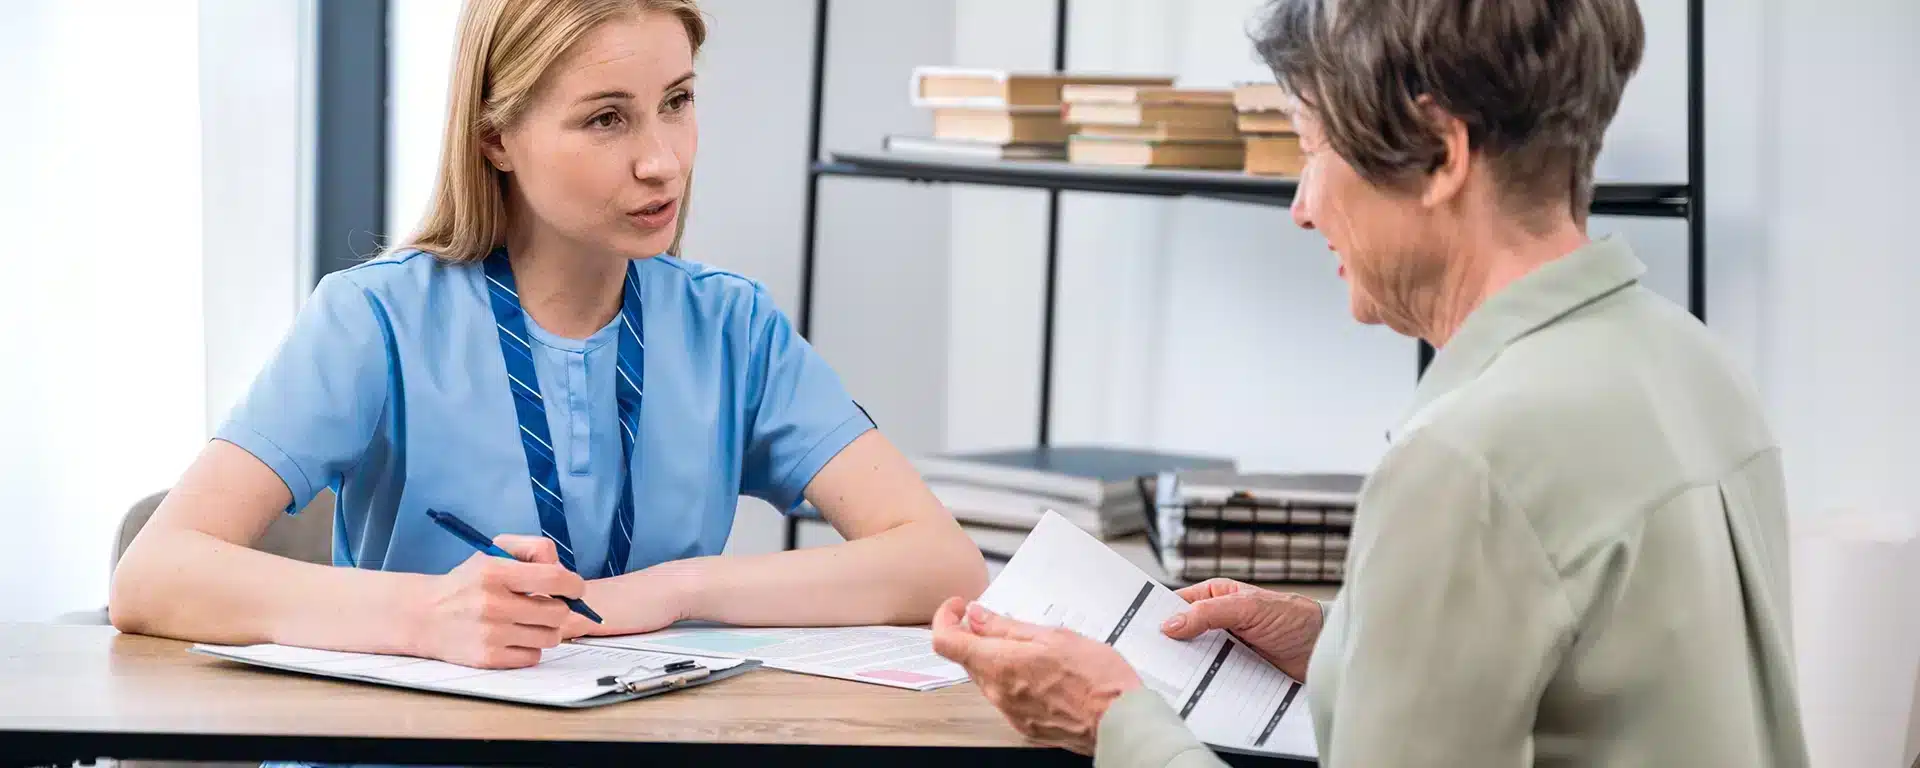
(1674, 201)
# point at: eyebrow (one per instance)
(606, 95)
(619, 94)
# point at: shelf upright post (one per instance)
(1696, 162)
(1051, 287)
(812, 206)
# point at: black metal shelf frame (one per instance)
(1682, 201)
(1647, 200)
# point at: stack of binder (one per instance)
(1094, 487)
(1273, 528)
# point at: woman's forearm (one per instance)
(185, 584)
(897, 577)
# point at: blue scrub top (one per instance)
(391, 390)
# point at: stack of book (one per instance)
(998, 115)
(1273, 148)
(1152, 127)
(1253, 527)
(1097, 488)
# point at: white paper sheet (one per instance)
(566, 674)
(901, 657)
(1229, 695)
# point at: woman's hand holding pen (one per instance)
(641, 601)
(495, 613)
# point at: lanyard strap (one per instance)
(523, 381)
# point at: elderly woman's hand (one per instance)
(1052, 684)
(1280, 626)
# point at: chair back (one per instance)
(307, 536)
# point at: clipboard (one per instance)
(624, 676)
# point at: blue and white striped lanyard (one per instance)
(542, 466)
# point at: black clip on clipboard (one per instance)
(672, 678)
(680, 674)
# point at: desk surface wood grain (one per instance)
(71, 693)
(95, 680)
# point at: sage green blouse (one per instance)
(1574, 553)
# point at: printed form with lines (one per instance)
(1230, 696)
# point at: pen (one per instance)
(478, 541)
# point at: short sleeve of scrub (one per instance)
(801, 415)
(312, 411)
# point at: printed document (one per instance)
(901, 657)
(566, 674)
(1230, 696)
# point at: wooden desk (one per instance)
(69, 693)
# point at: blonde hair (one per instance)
(505, 48)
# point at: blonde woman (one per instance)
(533, 362)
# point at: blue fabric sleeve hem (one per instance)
(793, 488)
(276, 459)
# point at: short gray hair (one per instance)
(1535, 81)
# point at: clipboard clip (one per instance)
(642, 678)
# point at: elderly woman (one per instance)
(1574, 551)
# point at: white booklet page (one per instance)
(1228, 694)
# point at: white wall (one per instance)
(420, 39)
(1841, 362)
(256, 127)
(104, 399)
(999, 239)
(880, 268)
(754, 90)
(882, 265)
(1838, 352)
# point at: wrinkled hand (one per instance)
(495, 613)
(1053, 685)
(1280, 626)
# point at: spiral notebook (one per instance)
(570, 675)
